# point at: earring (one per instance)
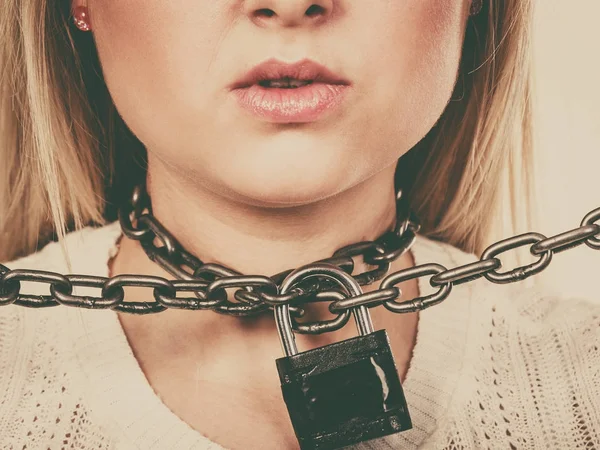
(476, 6)
(81, 18)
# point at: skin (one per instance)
(261, 197)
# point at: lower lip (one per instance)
(304, 104)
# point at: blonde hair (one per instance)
(59, 130)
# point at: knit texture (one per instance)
(494, 366)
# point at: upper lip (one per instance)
(274, 69)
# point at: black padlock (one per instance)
(342, 393)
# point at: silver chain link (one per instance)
(207, 284)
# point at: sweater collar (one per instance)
(122, 398)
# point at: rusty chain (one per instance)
(257, 294)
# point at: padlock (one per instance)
(346, 392)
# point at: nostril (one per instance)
(315, 10)
(265, 12)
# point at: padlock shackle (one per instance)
(283, 320)
(285, 330)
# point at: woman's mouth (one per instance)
(289, 100)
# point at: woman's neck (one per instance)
(261, 241)
(254, 237)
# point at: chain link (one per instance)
(255, 294)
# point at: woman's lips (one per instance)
(279, 105)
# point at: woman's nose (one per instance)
(288, 13)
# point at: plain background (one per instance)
(567, 41)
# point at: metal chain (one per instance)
(256, 293)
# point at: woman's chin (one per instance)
(282, 191)
(286, 181)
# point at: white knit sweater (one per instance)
(494, 366)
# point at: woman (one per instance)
(268, 134)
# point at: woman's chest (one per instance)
(231, 392)
(235, 417)
(243, 408)
(231, 396)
